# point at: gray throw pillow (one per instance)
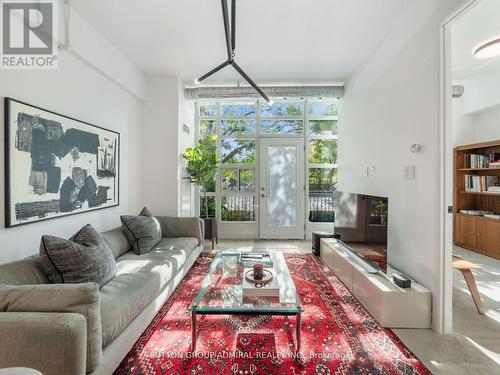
(142, 231)
(85, 257)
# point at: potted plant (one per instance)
(202, 162)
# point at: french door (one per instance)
(282, 188)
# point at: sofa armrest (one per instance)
(82, 299)
(182, 227)
(52, 343)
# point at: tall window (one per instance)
(208, 113)
(238, 154)
(322, 160)
(239, 125)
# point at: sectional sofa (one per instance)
(76, 329)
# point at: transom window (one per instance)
(240, 124)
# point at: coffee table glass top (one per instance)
(221, 291)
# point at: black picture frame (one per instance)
(8, 148)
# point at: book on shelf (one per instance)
(476, 212)
(492, 216)
(482, 160)
(479, 184)
(249, 259)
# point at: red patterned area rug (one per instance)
(338, 335)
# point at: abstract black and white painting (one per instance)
(56, 165)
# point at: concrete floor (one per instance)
(474, 346)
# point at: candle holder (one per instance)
(258, 271)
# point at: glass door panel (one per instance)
(281, 188)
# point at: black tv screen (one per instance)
(361, 220)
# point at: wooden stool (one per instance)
(465, 267)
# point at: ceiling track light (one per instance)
(230, 32)
(488, 49)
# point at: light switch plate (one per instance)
(409, 172)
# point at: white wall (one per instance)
(160, 145)
(97, 84)
(487, 125)
(164, 112)
(94, 83)
(89, 46)
(79, 91)
(387, 107)
(186, 189)
(462, 125)
(474, 127)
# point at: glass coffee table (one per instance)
(221, 291)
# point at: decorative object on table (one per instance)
(268, 286)
(202, 162)
(266, 277)
(56, 165)
(258, 271)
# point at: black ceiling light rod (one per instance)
(233, 25)
(214, 70)
(252, 83)
(227, 30)
(230, 32)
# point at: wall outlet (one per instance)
(409, 172)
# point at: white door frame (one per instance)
(444, 310)
(282, 232)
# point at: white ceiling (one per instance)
(292, 41)
(479, 23)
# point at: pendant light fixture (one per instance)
(230, 32)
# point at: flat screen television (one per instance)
(361, 221)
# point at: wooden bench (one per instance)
(465, 267)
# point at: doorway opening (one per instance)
(472, 178)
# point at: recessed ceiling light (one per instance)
(488, 49)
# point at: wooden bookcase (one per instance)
(476, 233)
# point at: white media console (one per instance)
(392, 306)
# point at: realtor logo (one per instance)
(28, 35)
